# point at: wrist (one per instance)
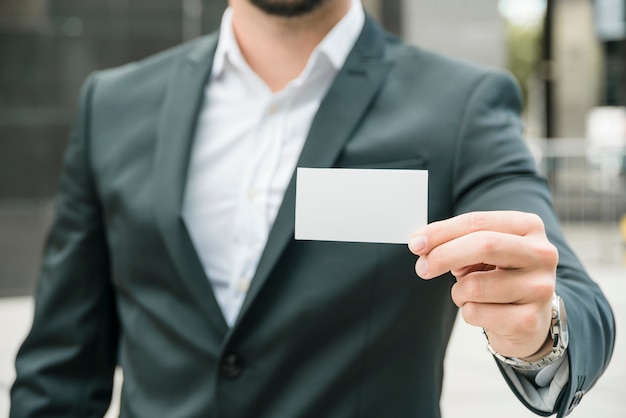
(553, 348)
(544, 350)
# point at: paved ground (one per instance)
(473, 387)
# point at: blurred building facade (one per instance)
(47, 49)
(577, 69)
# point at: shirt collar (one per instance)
(336, 45)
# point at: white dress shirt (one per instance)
(247, 144)
(246, 147)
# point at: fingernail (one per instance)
(421, 267)
(417, 243)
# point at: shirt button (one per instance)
(273, 109)
(251, 194)
(243, 285)
(232, 366)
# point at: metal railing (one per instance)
(588, 181)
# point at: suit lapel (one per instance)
(176, 129)
(339, 114)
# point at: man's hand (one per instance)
(506, 273)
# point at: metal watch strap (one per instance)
(559, 334)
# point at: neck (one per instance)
(278, 48)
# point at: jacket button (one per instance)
(578, 396)
(232, 366)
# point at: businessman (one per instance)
(172, 252)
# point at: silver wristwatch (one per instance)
(560, 338)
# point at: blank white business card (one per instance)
(360, 205)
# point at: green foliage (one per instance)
(524, 52)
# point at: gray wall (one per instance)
(468, 29)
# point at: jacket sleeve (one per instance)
(494, 170)
(65, 366)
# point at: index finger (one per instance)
(440, 232)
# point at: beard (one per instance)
(287, 8)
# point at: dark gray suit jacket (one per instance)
(328, 329)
